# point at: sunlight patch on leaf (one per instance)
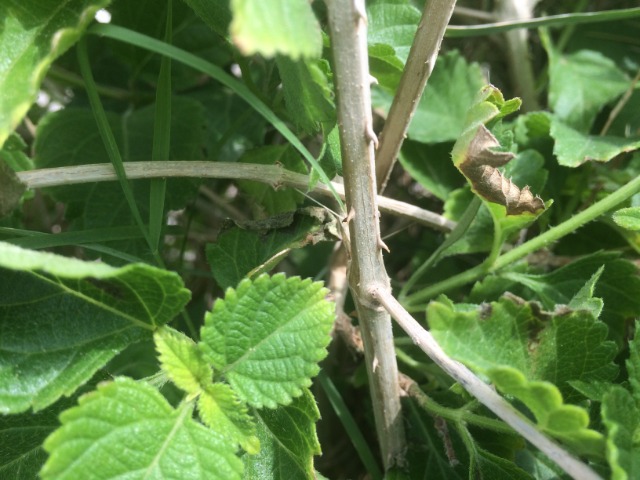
(269, 27)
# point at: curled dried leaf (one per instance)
(481, 168)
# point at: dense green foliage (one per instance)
(175, 327)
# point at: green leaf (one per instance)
(430, 166)
(274, 201)
(62, 319)
(21, 437)
(307, 94)
(617, 286)
(265, 243)
(573, 148)
(531, 358)
(267, 337)
(628, 218)
(392, 23)
(183, 361)
(215, 14)
(221, 409)
(288, 441)
(621, 416)
(451, 91)
(32, 37)
(268, 27)
(127, 429)
(580, 84)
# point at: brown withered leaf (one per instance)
(481, 168)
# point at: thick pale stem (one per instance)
(271, 174)
(483, 392)
(518, 51)
(351, 75)
(420, 63)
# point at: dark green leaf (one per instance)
(251, 249)
(288, 441)
(62, 319)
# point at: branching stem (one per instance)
(271, 174)
(347, 25)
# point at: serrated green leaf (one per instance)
(621, 416)
(267, 198)
(628, 218)
(288, 441)
(531, 359)
(127, 429)
(268, 27)
(267, 337)
(580, 84)
(307, 94)
(62, 319)
(221, 409)
(183, 361)
(573, 148)
(264, 245)
(32, 37)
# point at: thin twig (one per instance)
(520, 66)
(483, 392)
(347, 23)
(271, 174)
(420, 63)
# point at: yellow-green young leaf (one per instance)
(126, 429)
(267, 27)
(221, 409)
(628, 218)
(32, 36)
(267, 336)
(62, 319)
(183, 361)
(288, 441)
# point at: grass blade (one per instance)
(162, 48)
(107, 135)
